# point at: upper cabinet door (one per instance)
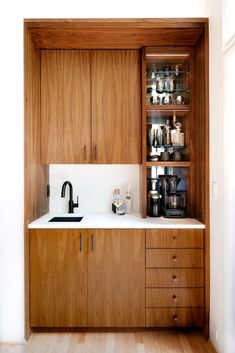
(116, 107)
(65, 106)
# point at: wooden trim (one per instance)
(168, 164)
(117, 22)
(207, 187)
(143, 172)
(35, 175)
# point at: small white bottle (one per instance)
(129, 200)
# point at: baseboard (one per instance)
(212, 346)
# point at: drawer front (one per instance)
(174, 278)
(174, 238)
(174, 317)
(174, 297)
(173, 258)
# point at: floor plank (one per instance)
(98, 342)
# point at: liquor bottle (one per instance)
(167, 133)
(118, 205)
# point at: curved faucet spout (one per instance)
(70, 190)
(72, 205)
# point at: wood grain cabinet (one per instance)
(65, 106)
(116, 106)
(90, 106)
(116, 278)
(84, 278)
(58, 278)
(174, 277)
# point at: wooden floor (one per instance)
(141, 342)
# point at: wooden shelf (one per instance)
(169, 108)
(168, 164)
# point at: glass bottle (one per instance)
(129, 200)
(118, 205)
(167, 133)
(177, 136)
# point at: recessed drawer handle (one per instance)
(174, 237)
(174, 258)
(175, 318)
(174, 278)
(174, 297)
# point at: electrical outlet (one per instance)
(214, 190)
(216, 334)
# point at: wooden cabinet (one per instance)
(90, 106)
(174, 317)
(116, 106)
(116, 278)
(84, 278)
(58, 278)
(174, 277)
(65, 106)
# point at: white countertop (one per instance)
(110, 220)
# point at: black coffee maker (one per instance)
(173, 203)
(154, 198)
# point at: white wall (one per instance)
(11, 140)
(229, 168)
(94, 184)
(217, 319)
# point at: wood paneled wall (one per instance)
(36, 175)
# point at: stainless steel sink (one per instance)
(66, 219)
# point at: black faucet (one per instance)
(72, 205)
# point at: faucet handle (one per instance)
(76, 204)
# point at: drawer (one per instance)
(171, 258)
(174, 278)
(174, 297)
(174, 238)
(174, 317)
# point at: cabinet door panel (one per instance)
(116, 278)
(58, 278)
(65, 106)
(116, 107)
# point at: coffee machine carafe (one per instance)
(173, 201)
(154, 198)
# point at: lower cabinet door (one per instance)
(116, 278)
(58, 278)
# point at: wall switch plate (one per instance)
(214, 190)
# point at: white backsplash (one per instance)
(94, 184)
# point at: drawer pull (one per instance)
(174, 237)
(175, 318)
(174, 258)
(174, 298)
(174, 278)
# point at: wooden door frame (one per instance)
(40, 33)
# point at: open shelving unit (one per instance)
(175, 66)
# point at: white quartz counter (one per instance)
(110, 220)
